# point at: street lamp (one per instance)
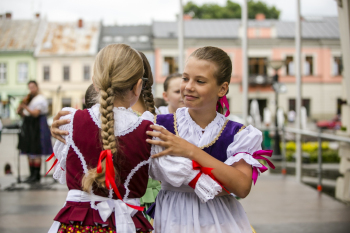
(278, 88)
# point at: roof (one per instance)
(198, 28)
(18, 35)
(67, 39)
(139, 37)
(325, 28)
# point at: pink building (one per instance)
(268, 40)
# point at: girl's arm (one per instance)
(236, 176)
(34, 112)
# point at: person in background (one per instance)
(0, 128)
(34, 138)
(158, 102)
(172, 94)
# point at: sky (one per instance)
(131, 12)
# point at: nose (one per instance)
(189, 86)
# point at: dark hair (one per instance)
(32, 81)
(147, 91)
(220, 59)
(169, 78)
(90, 96)
(159, 102)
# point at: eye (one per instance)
(200, 81)
(184, 79)
(177, 92)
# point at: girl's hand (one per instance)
(55, 131)
(174, 145)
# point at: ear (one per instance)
(223, 89)
(136, 90)
(165, 96)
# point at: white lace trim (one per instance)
(126, 120)
(80, 155)
(206, 188)
(193, 133)
(61, 149)
(247, 158)
(131, 174)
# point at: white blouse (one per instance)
(178, 171)
(164, 109)
(39, 102)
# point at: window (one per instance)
(308, 66)
(65, 73)
(132, 38)
(257, 66)
(22, 72)
(66, 102)
(107, 39)
(289, 66)
(86, 73)
(337, 66)
(3, 73)
(118, 39)
(170, 65)
(304, 102)
(46, 70)
(143, 39)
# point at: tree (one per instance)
(231, 10)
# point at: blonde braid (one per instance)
(117, 68)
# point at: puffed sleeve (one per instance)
(178, 171)
(61, 150)
(244, 145)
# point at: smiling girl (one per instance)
(202, 158)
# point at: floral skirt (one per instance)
(75, 228)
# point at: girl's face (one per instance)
(33, 89)
(173, 95)
(199, 88)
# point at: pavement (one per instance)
(275, 204)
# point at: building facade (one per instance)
(65, 58)
(17, 64)
(138, 37)
(267, 40)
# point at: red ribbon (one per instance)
(258, 155)
(224, 103)
(110, 175)
(203, 170)
(54, 163)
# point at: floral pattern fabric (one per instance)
(75, 228)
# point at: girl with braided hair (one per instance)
(105, 172)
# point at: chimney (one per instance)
(260, 17)
(187, 17)
(37, 15)
(8, 15)
(80, 23)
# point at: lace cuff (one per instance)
(247, 158)
(206, 188)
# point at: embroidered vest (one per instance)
(217, 148)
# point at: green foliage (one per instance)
(311, 148)
(231, 10)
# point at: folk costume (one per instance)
(34, 138)
(187, 202)
(164, 109)
(102, 209)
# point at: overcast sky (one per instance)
(127, 12)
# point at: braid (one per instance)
(117, 67)
(107, 120)
(148, 97)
